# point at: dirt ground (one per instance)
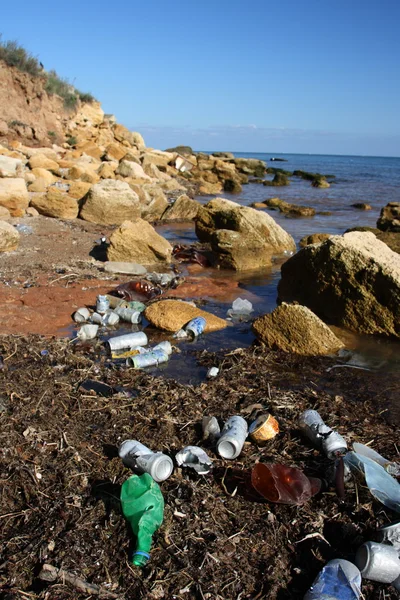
(61, 475)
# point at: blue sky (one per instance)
(312, 76)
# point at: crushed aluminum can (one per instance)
(195, 458)
(102, 304)
(128, 314)
(322, 436)
(389, 534)
(140, 458)
(110, 318)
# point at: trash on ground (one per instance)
(212, 372)
(379, 562)
(147, 359)
(129, 315)
(24, 229)
(102, 304)
(143, 507)
(338, 580)
(211, 429)
(282, 484)
(195, 458)
(322, 436)
(130, 340)
(126, 268)
(233, 436)
(381, 485)
(140, 458)
(101, 389)
(389, 534)
(87, 332)
(82, 315)
(265, 427)
(163, 279)
(391, 467)
(192, 329)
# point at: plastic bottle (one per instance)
(321, 435)
(381, 485)
(139, 457)
(338, 580)
(143, 507)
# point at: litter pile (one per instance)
(254, 503)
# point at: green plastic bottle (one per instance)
(143, 506)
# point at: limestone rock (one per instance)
(389, 219)
(351, 280)
(56, 203)
(157, 158)
(4, 213)
(291, 210)
(294, 328)
(3, 128)
(138, 242)
(14, 195)
(107, 170)
(314, 238)
(32, 212)
(390, 238)
(184, 208)
(122, 134)
(320, 182)
(78, 189)
(91, 149)
(9, 237)
(89, 114)
(115, 152)
(172, 315)
(10, 167)
(30, 152)
(241, 237)
(128, 168)
(39, 185)
(41, 161)
(251, 166)
(362, 206)
(209, 189)
(156, 203)
(110, 202)
(40, 173)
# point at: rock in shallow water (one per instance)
(294, 328)
(351, 280)
(172, 315)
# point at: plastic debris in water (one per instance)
(240, 309)
(140, 458)
(338, 580)
(391, 467)
(195, 458)
(212, 372)
(143, 507)
(87, 332)
(282, 484)
(381, 485)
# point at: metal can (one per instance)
(128, 314)
(195, 327)
(149, 359)
(102, 304)
(232, 438)
(138, 338)
(265, 427)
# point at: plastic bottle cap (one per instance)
(140, 558)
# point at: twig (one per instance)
(50, 573)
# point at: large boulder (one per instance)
(314, 238)
(172, 315)
(41, 161)
(122, 134)
(56, 203)
(157, 158)
(115, 152)
(10, 167)
(129, 168)
(138, 242)
(294, 328)
(251, 166)
(9, 237)
(389, 219)
(153, 202)
(351, 280)
(184, 209)
(241, 237)
(110, 202)
(89, 114)
(14, 195)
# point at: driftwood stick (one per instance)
(51, 573)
